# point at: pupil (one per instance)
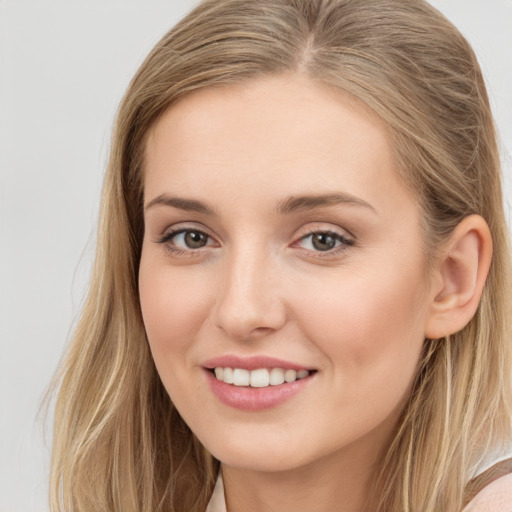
(195, 240)
(323, 241)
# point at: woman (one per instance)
(302, 277)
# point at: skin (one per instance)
(357, 313)
(495, 497)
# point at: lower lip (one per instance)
(255, 399)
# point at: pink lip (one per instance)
(251, 363)
(254, 399)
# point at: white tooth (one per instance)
(227, 376)
(290, 375)
(219, 372)
(260, 378)
(240, 377)
(276, 376)
(302, 373)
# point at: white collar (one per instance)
(217, 501)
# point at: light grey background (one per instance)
(63, 68)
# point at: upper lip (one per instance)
(252, 363)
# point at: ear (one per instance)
(459, 278)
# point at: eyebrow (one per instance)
(288, 206)
(310, 202)
(189, 205)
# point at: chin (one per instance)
(259, 461)
(257, 453)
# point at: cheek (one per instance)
(371, 329)
(174, 304)
(372, 337)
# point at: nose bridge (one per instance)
(249, 301)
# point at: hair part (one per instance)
(119, 442)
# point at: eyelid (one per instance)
(172, 231)
(341, 238)
(323, 227)
(344, 237)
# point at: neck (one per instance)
(338, 481)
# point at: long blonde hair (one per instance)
(119, 443)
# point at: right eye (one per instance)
(186, 240)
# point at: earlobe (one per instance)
(460, 276)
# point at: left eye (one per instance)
(323, 241)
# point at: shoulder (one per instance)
(496, 497)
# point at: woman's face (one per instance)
(279, 238)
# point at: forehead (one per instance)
(277, 136)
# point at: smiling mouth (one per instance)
(260, 378)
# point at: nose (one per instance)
(250, 303)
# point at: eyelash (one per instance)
(344, 242)
(169, 236)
